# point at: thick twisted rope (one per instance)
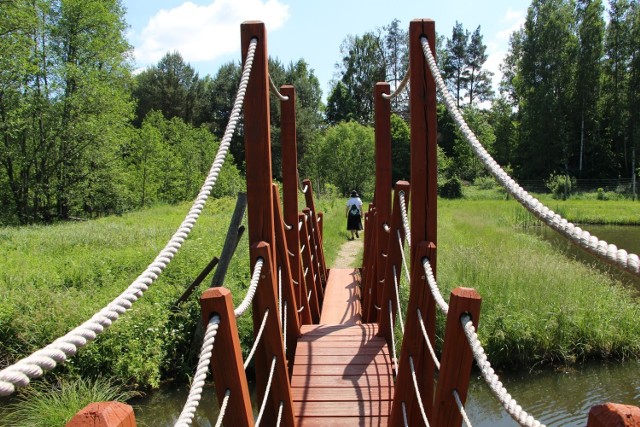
(433, 286)
(465, 417)
(33, 366)
(404, 259)
(417, 390)
(397, 288)
(405, 217)
(251, 292)
(266, 392)
(275, 90)
(426, 338)
(399, 89)
(195, 393)
(257, 340)
(404, 415)
(492, 379)
(600, 248)
(223, 408)
(393, 338)
(280, 411)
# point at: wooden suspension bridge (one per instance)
(326, 355)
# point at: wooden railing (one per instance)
(291, 245)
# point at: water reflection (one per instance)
(557, 398)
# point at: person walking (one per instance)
(354, 215)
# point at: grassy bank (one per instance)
(538, 305)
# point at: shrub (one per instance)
(601, 195)
(485, 182)
(450, 188)
(560, 185)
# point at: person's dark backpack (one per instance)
(354, 211)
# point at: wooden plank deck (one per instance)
(342, 373)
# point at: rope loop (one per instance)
(275, 90)
(399, 89)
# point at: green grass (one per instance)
(538, 305)
(47, 405)
(593, 211)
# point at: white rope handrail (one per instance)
(284, 327)
(404, 259)
(280, 292)
(33, 366)
(266, 392)
(275, 90)
(465, 417)
(405, 217)
(598, 247)
(280, 411)
(257, 340)
(300, 224)
(195, 392)
(426, 338)
(435, 291)
(404, 415)
(223, 408)
(397, 288)
(492, 379)
(305, 188)
(393, 338)
(248, 298)
(417, 390)
(399, 89)
(309, 296)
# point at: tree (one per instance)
(172, 87)
(346, 157)
(400, 149)
(340, 105)
(590, 52)
(479, 79)
(455, 66)
(634, 95)
(545, 86)
(64, 106)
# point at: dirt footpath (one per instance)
(348, 253)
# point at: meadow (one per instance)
(539, 307)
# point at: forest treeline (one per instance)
(83, 135)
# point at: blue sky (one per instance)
(207, 32)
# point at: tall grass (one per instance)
(49, 405)
(538, 305)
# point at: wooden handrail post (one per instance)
(370, 279)
(271, 344)
(393, 258)
(382, 187)
(614, 414)
(457, 357)
(226, 364)
(314, 229)
(290, 192)
(415, 347)
(311, 278)
(316, 250)
(257, 139)
(104, 414)
(424, 156)
(289, 290)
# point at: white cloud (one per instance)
(204, 33)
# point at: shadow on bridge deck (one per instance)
(342, 374)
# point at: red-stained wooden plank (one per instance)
(342, 409)
(344, 381)
(357, 359)
(355, 339)
(342, 298)
(343, 394)
(343, 422)
(306, 349)
(371, 328)
(343, 370)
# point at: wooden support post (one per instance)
(370, 289)
(393, 258)
(257, 139)
(314, 230)
(382, 188)
(290, 192)
(457, 357)
(288, 288)
(424, 158)
(316, 249)
(104, 414)
(271, 344)
(311, 278)
(321, 224)
(415, 347)
(227, 365)
(234, 233)
(614, 414)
